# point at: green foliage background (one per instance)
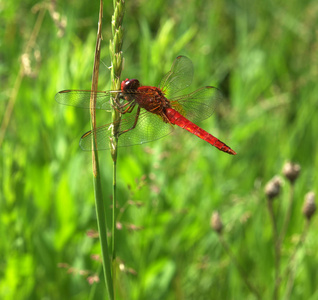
(261, 54)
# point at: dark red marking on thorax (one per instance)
(150, 98)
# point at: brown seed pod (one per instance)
(291, 171)
(216, 222)
(309, 206)
(272, 188)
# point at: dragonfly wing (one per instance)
(81, 98)
(198, 105)
(178, 78)
(149, 127)
(102, 135)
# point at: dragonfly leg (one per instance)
(117, 102)
(135, 122)
(119, 107)
(130, 108)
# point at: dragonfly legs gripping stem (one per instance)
(135, 122)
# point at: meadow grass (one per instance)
(262, 55)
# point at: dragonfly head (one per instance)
(130, 84)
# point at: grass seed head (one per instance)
(272, 188)
(216, 222)
(309, 207)
(291, 171)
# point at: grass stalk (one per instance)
(115, 47)
(291, 266)
(16, 88)
(242, 273)
(288, 214)
(276, 247)
(100, 205)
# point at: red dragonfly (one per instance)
(148, 112)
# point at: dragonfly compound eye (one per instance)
(130, 84)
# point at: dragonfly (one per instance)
(148, 112)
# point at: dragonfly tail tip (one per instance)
(232, 152)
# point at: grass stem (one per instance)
(242, 273)
(115, 47)
(276, 247)
(100, 204)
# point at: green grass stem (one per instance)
(100, 204)
(117, 62)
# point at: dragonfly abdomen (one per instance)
(177, 119)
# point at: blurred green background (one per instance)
(261, 54)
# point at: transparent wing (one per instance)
(149, 127)
(81, 98)
(178, 78)
(198, 105)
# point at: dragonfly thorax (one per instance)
(152, 99)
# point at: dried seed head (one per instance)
(291, 171)
(309, 206)
(272, 188)
(216, 222)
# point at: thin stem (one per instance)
(278, 240)
(114, 220)
(288, 214)
(250, 286)
(117, 65)
(11, 103)
(289, 271)
(276, 247)
(100, 205)
(102, 229)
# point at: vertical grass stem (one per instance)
(115, 47)
(100, 204)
